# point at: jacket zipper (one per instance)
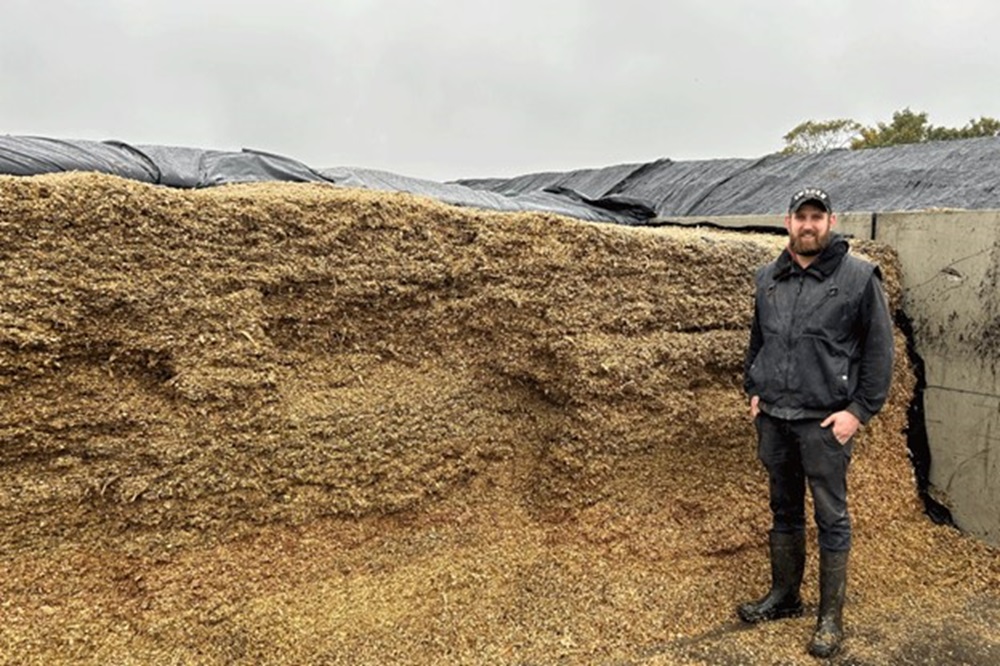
(791, 327)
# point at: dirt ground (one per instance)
(296, 424)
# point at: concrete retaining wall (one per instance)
(951, 262)
(951, 268)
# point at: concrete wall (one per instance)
(951, 264)
(951, 280)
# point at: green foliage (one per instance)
(974, 128)
(906, 127)
(816, 136)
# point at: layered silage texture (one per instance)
(300, 424)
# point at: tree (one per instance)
(974, 128)
(816, 136)
(906, 127)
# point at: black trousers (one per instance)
(795, 452)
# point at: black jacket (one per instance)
(821, 339)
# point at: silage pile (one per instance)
(298, 424)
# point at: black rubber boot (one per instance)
(832, 588)
(788, 561)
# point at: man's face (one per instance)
(809, 230)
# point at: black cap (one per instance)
(810, 195)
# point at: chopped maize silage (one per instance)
(300, 424)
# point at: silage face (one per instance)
(527, 429)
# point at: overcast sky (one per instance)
(445, 89)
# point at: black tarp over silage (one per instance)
(945, 174)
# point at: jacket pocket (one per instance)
(821, 373)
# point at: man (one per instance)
(818, 366)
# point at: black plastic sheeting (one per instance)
(196, 168)
(161, 165)
(945, 174)
(592, 183)
(28, 156)
(611, 208)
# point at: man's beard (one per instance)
(809, 244)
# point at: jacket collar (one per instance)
(821, 267)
